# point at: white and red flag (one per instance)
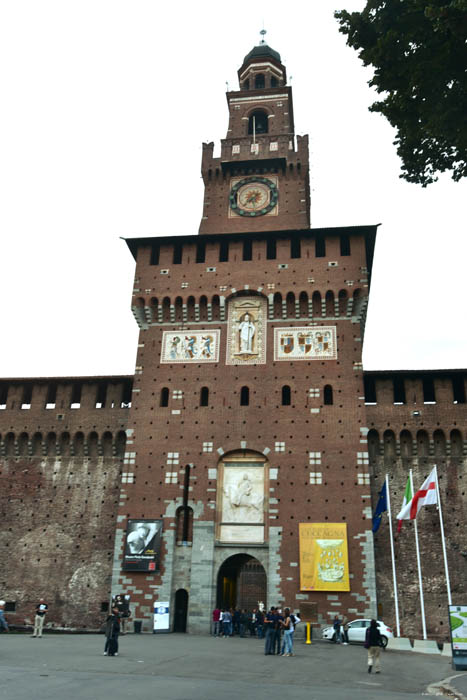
(425, 496)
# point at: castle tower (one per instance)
(262, 173)
(247, 425)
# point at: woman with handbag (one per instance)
(373, 643)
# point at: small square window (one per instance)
(207, 446)
(279, 447)
(316, 478)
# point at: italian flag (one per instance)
(407, 499)
(425, 496)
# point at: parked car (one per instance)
(356, 631)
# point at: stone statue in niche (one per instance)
(246, 335)
(243, 500)
(247, 331)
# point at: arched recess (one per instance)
(456, 444)
(178, 309)
(23, 445)
(439, 440)
(423, 444)
(303, 304)
(203, 308)
(316, 303)
(342, 302)
(329, 303)
(190, 307)
(166, 309)
(290, 303)
(277, 305)
(215, 308)
(389, 445)
(406, 444)
(181, 610)
(258, 122)
(154, 306)
(373, 446)
(241, 583)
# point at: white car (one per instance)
(357, 629)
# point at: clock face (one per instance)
(253, 196)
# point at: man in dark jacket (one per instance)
(112, 630)
(373, 643)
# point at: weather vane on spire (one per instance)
(263, 33)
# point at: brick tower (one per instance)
(262, 173)
(248, 416)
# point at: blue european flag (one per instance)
(381, 507)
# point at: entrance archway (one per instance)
(181, 610)
(241, 583)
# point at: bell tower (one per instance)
(261, 180)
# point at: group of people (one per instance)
(39, 618)
(275, 626)
(373, 641)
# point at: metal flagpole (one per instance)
(422, 602)
(448, 583)
(396, 601)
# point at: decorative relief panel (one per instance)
(246, 331)
(241, 502)
(190, 346)
(305, 343)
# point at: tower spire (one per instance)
(263, 33)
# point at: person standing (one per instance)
(277, 632)
(259, 624)
(288, 627)
(216, 616)
(373, 642)
(227, 623)
(41, 612)
(269, 625)
(337, 629)
(3, 622)
(112, 630)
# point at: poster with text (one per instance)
(324, 562)
(142, 545)
(458, 622)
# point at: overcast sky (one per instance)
(105, 105)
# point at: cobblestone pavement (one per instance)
(181, 667)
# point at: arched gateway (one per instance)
(241, 583)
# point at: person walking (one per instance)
(3, 622)
(112, 630)
(41, 611)
(373, 642)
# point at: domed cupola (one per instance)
(262, 68)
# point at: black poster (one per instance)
(142, 545)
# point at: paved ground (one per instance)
(183, 667)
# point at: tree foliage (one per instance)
(419, 54)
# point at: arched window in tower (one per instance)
(327, 393)
(286, 395)
(246, 85)
(204, 396)
(164, 400)
(258, 122)
(244, 396)
(260, 82)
